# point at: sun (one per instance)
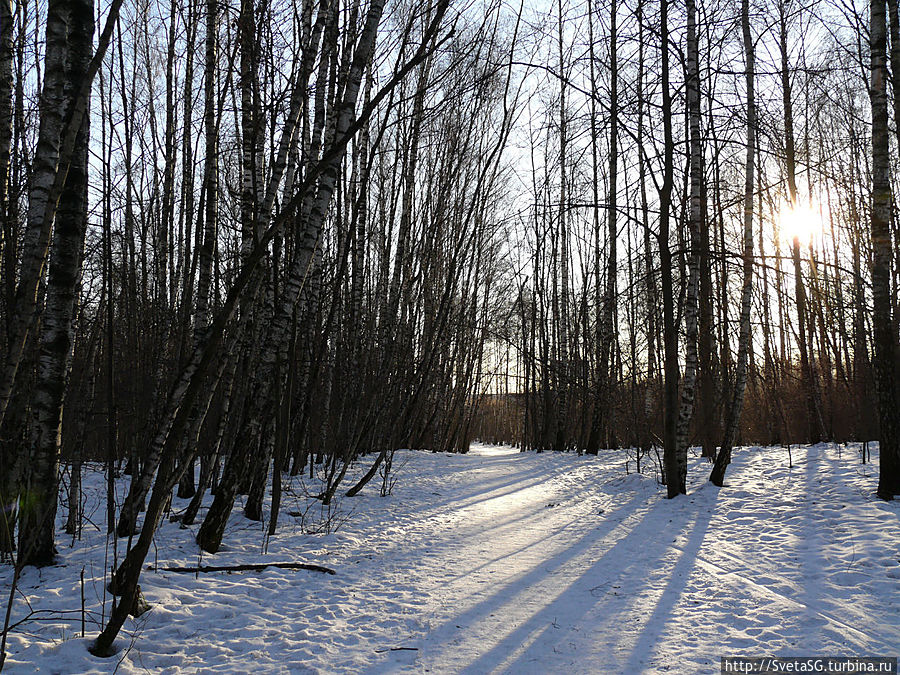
(801, 221)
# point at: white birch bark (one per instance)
(37, 526)
(695, 213)
(56, 144)
(723, 458)
(884, 360)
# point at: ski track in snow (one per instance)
(500, 561)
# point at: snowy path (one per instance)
(500, 561)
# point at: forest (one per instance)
(253, 242)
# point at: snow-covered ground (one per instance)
(499, 561)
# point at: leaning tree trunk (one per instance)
(209, 537)
(188, 386)
(206, 237)
(187, 264)
(251, 167)
(57, 141)
(243, 292)
(36, 532)
(52, 109)
(740, 381)
(884, 361)
(23, 303)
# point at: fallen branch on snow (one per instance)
(250, 567)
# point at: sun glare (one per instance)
(801, 221)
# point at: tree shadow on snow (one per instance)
(634, 564)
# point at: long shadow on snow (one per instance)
(459, 501)
(613, 517)
(661, 521)
(503, 594)
(449, 539)
(423, 537)
(681, 572)
(507, 485)
(813, 579)
(513, 480)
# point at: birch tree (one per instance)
(674, 484)
(723, 458)
(882, 252)
(38, 523)
(695, 215)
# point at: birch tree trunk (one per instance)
(894, 73)
(188, 386)
(695, 215)
(670, 330)
(723, 458)
(57, 140)
(52, 108)
(244, 292)
(37, 527)
(10, 455)
(6, 113)
(885, 339)
(209, 537)
(210, 174)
